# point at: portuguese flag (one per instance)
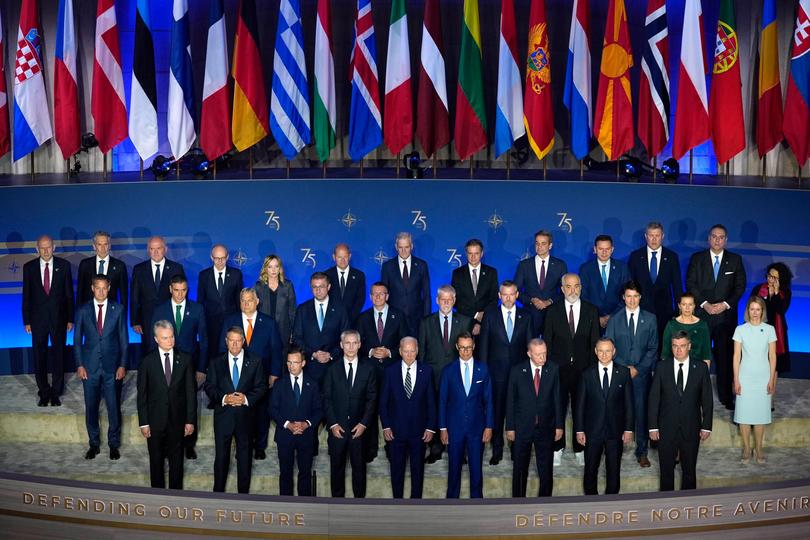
(471, 123)
(250, 114)
(725, 103)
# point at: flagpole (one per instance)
(581, 170)
(545, 169)
(655, 168)
(214, 172)
(140, 159)
(398, 154)
(250, 162)
(617, 169)
(177, 170)
(727, 170)
(435, 164)
(362, 170)
(508, 164)
(323, 169)
(32, 167)
(764, 166)
(103, 166)
(288, 169)
(691, 152)
(471, 165)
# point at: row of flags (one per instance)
(295, 120)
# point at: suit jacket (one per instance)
(394, 328)
(218, 383)
(413, 300)
(104, 353)
(265, 342)
(524, 407)
(669, 413)
(728, 288)
(144, 296)
(408, 418)
(309, 338)
(462, 413)
(52, 310)
(161, 405)
(526, 279)
(607, 301)
(659, 297)
(216, 304)
(346, 406)
(494, 346)
(354, 297)
(565, 349)
(468, 302)
(431, 345)
(116, 271)
(192, 338)
(284, 409)
(639, 350)
(600, 416)
(285, 307)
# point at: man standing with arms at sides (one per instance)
(538, 279)
(602, 279)
(102, 263)
(167, 405)
(348, 283)
(47, 312)
(408, 282)
(476, 285)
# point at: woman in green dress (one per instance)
(697, 329)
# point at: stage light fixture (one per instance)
(200, 166)
(161, 166)
(88, 141)
(412, 163)
(631, 168)
(670, 170)
(589, 163)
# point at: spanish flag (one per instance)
(769, 104)
(471, 122)
(250, 115)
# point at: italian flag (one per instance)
(325, 109)
(471, 123)
(398, 107)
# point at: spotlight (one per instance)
(88, 141)
(631, 168)
(200, 166)
(412, 163)
(161, 166)
(670, 170)
(521, 153)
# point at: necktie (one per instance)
(235, 373)
(46, 280)
(342, 283)
(510, 326)
(446, 333)
(467, 378)
(100, 321)
(249, 333)
(220, 283)
(350, 376)
(604, 277)
(405, 277)
(157, 277)
(632, 325)
(380, 326)
(178, 318)
(475, 281)
(320, 317)
(167, 368)
(571, 319)
(536, 381)
(716, 266)
(679, 382)
(605, 383)
(654, 266)
(542, 280)
(101, 266)
(408, 383)
(297, 391)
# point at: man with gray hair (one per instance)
(102, 263)
(408, 281)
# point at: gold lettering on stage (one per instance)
(197, 514)
(632, 516)
(165, 512)
(220, 515)
(298, 520)
(521, 521)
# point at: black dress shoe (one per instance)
(730, 406)
(433, 458)
(191, 453)
(494, 460)
(56, 402)
(92, 452)
(114, 453)
(43, 402)
(259, 454)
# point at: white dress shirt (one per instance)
(106, 264)
(350, 362)
(602, 372)
(471, 363)
(182, 310)
(504, 314)
(162, 264)
(538, 263)
(239, 363)
(103, 310)
(449, 323)
(405, 367)
(318, 303)
(42, 270)
(635, 314)
(408, 262)
(606, 265)
(712, 255)
(577, 308)
(657, 257)
(300, 378)
(252, 321)
(477, 269)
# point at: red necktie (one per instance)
(542, 280)
(537, 381)
(46, 280)
(571, 319)
(100, 321)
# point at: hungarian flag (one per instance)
(65, 87)
(797, 105)
(215, 116)
(143, 128)
(471, 122)
(398, 106)
(613, 121)
(432, 118)
(107, 102)
(725, 102)
(538, 109)
(324, 102)
(769, 104)
(250, 115)
(5, 139)
(653, 95)
(692, 109)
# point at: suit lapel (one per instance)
(387, 326)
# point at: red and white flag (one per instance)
(108, 102)
(65, 87)
(5, 139)
(692, 109)
(432, 118)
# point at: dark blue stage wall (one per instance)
(302, 220)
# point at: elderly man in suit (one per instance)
(602, 278)
(349, 283)
(534, 417)
(408, 281)
(47, 312)
(538, 279)
(408, 416)
(102, 263)
(167, 405)
(476, 285)
(604, 419)
(100, 348)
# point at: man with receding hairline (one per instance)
(103, 263)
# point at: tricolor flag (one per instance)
(653, 98)
(65, 87)
(325, 101)
(215, 116)
(577, 96)
(725, 101)
(471, 121)
(32, 126)
(365, 118)
(769, 104)
(398, 127)
(538, 106)
(250, 116)
(289, 100)
(181, 110)
(509, 114)
(692, 109)
(5, 139)
(143, 128)
(432, 118)
(108, 103)
(797, 104)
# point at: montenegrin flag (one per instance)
(692, 109)
(108, 103)
(769, 105)
(250, 115)
(725, 102)
(471, 122)
(398, 118)
(432, 117)
(797, 105)
(538, 109)
(65, 87)
(324, 101)
(509, 114)
(578, 94)
(215, 116)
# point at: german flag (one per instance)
(250, 115)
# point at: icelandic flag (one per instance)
(509, 116)
(180, 117)
(365, 118)
(577, 95)
(32, 126)
(65, 88)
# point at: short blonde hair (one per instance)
(761, 302)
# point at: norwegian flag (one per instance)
(653, 101)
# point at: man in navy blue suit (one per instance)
(295, 405)
(408, 416)
(100, 348)
(602, 279)
(538, 279)
(102, 263)
(348, 283)
(408, 282)
(466, 416)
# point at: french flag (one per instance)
(577, 96)
(215, 124)
(65, 88)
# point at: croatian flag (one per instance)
(577, 95)
(65, 88)
(509, 116)
(180, 117)
(365, 118)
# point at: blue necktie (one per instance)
(654, 266)
(297, 391)
(101, 266)
(320, 317)
(510, 326)
(604, 277)
(467, 378)
(716, 266)
(235, 374)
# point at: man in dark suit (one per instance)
(349, 399)
(635, 335)
(167, 405)
(476, 285)
(466, 416)
(602, 279)
(408, 281)
(102, 263)
(716, 277)
(503, 341)
(538, 279)
(296, 409)
(604, 420)
(100, 349)
(408, 417)
(572, 328)
(150, 287)
(47, 312)
(235, 382)
(349, 283)
(680, 412)
(534, 417)
(190, 335)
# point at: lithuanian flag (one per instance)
(471, 122)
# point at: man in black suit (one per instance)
(167, 405)
(235, 382)
(295, 406)
(476, 285)
(604, 421)
(348, 283)
(534, 417)
(349, 399)
(572, 328)
(538, 279)
(503, 341)
(47, 312)
(680, 412)
(102, 263)
(408, 281)
(716, 278)
(150, 287)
